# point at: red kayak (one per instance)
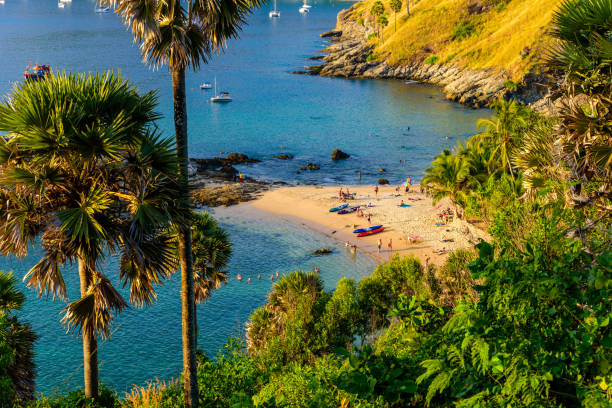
(375, 231)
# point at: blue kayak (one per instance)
(338, 208)
(360, 230)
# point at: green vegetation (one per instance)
(183, 36)
(520, 321)
(105, 181)
(433, 59)
(463, 30)
(17, 368)
(371, 57)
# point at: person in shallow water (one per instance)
(259, 276)
(239, 277)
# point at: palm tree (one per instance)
(82, 170)
(19, 338)
(377, 10)
(396, 6)
(501, 132)
(269, 320)
(183, 35)
(447, 176)
(382, 22)
(582, 62)
(212, 251)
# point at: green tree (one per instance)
(396, 6)
(503, 132)
(17, 367)
(377, 10)
(382, 22)
(82, 169)
(212, 251)
(183, 36)
(582, 64)
(447, 177)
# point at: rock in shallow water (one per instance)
(339, 155)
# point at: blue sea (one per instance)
(382, 124)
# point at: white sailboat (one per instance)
(60, 4)
(221, 97)
(275, 12)
(305, 8)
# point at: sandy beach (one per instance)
(310, 206)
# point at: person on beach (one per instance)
(376, 191)
(317, 270)
(427, 264)
(272, 278)
(397, 190)
(369, 218)
(390, 245)
(340, 193)
(347, 244)
(402, 203)
(379, 244)
(354, 249)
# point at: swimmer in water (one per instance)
(249, 280)
(239, 277)
(259, 276)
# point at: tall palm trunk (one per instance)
(195, 325)
(90, 343)
(184, 244)
(408, 8)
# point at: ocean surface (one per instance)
(379, 123)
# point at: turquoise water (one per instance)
(309, 116)
(147, 342)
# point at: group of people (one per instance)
(353, 247)
(446, 215)
(272, 277)
(345, 196)
(389, 245)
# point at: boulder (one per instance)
(339, 155)
(312, 166)
(283, 156)
(239, 158)
(383, 181)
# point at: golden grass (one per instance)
(498, 43)
(147, 396)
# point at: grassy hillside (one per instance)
(477, 34)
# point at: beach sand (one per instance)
(310, 206)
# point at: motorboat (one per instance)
(205, 85)
(274, 13)
(102, 9)
(36, 72)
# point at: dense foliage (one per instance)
(17, 368)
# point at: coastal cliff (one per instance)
(357, 52)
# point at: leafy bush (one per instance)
(372, 35)
(432, 59)
(76, 398)
(511, 85)
(371, 57)
(360, 21)
(463, 30)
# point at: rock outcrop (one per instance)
(338, 154)
(350, 55)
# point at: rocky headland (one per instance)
(350, 55)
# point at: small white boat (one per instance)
(221, 97)
(275, 12)
(205, 85)
(1, 1)
(66, 1)
(102, 9)
(305, 8)
(60, 4)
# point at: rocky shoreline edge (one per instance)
(348, 52)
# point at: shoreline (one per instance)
(347, 54)
(309, 207)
